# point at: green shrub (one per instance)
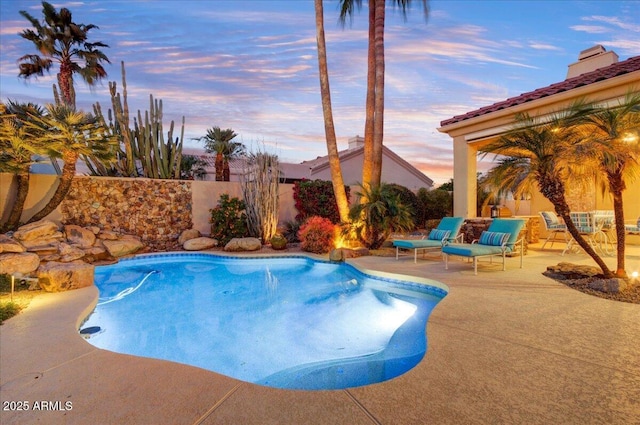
(228, 219)
(411, 201)
(316, 197)
(8, 310)
(317, 235)
(437, 203)
(382, 213)
(290, 231)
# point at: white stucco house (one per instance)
(394, 168)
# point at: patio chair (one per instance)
(500, 239)
(591, 225)
(446, 232)
(633, 229)
(554, 227)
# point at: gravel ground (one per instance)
(630, 295)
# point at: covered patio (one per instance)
(597, 76)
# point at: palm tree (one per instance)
(374, 119)
(611, 137)
(19, 145)
(60, 39)
(382, 213)
(220, 142)
(542, 155)
(329, 128)
(70, 134)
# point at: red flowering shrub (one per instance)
(315, 197)
(317, 234)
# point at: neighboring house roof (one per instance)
(322, 162)
(617, 69)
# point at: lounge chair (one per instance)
(633, 229)
(554, 227)
(446, 232)
(500, 239)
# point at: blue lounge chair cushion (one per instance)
(513, 226)
(472, 250)
(453, 225)
(439, 235)
(493, 238)
(417, 243)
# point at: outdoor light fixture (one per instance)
(630, 138)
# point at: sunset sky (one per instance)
(252, 65)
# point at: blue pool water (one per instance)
(286, 322)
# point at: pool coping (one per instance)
(504, 347)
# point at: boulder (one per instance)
(69, 253)
(122, 247)
(38, 229)
(573, 271)
(611, 286)
(57, 277)
(198, 244)
(85, 238)
(19, 262)
(52, 239)
(243, 244)
(95, 254)
(8, 244)
(187, 235)
(108, 235)
(340, 254)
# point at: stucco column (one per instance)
(464, 178)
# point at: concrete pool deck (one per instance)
(503, 347)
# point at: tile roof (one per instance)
(620, 68)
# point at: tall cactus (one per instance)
(144, 144)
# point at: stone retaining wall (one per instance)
(156, 211)
(472, 229)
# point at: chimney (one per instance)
(593, 58)
(356, 142)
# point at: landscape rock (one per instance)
(572, 271)
(23, 262)
(38, 229)
(187, 235)
(85, 238)
(612, 286)
(69, 253)
(198, 244)
(108, 235)
(243, 244)
(122, 247)
(57, 277)
(51, 239)
(341, 254)
(8, 244)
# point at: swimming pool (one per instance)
(285, 322)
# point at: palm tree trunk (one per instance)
(618, 212)
(562, 209)
(378, 125)
(367, 166)
(66, 178)
(22, 190)
(329, 128)
(65, 81)
(219, 167)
